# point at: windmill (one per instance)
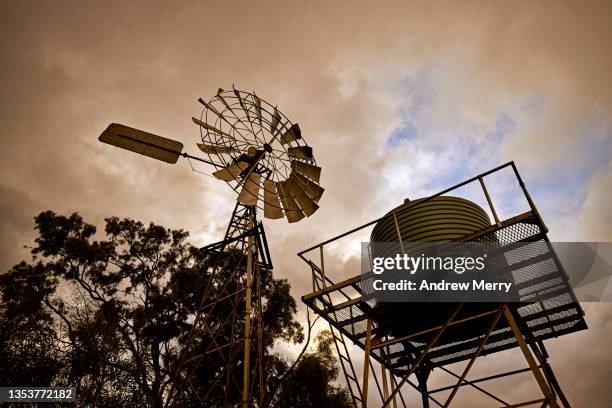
(262, 156)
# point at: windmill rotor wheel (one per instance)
(261, 154)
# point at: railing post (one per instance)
(486, 193)
(528, 197)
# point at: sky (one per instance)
(398, 99)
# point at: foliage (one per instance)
(311, 383)
(113, 316)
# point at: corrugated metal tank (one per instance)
(441, 219)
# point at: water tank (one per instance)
(441, 219)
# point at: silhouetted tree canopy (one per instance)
(111, 315)
(311, 383)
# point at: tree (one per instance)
(311, 383)
(113, 316)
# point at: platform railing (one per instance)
(480, 179)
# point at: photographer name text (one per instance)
(423, 285)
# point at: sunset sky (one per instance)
(397, 99)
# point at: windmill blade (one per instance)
(272, 205)
(222, 99)
(311, 188)
(231, 172)
(257, 107)
(138, 141)
(250, 190)
(309, 170)
(211, 149)
(292, 134)
(210, 107)
(275, 121)
(301, 152)
(211, 128)
(292, 210)
(307, 204)
(237, 93)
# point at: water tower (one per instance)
(403, 343)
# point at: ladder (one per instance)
(341, 348)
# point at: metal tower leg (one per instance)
(541, 355)
(535, 369)
(422, 376)
(550, 375)
(247, 318)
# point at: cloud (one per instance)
(16, 225)
(462, 86)
(594, 220)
